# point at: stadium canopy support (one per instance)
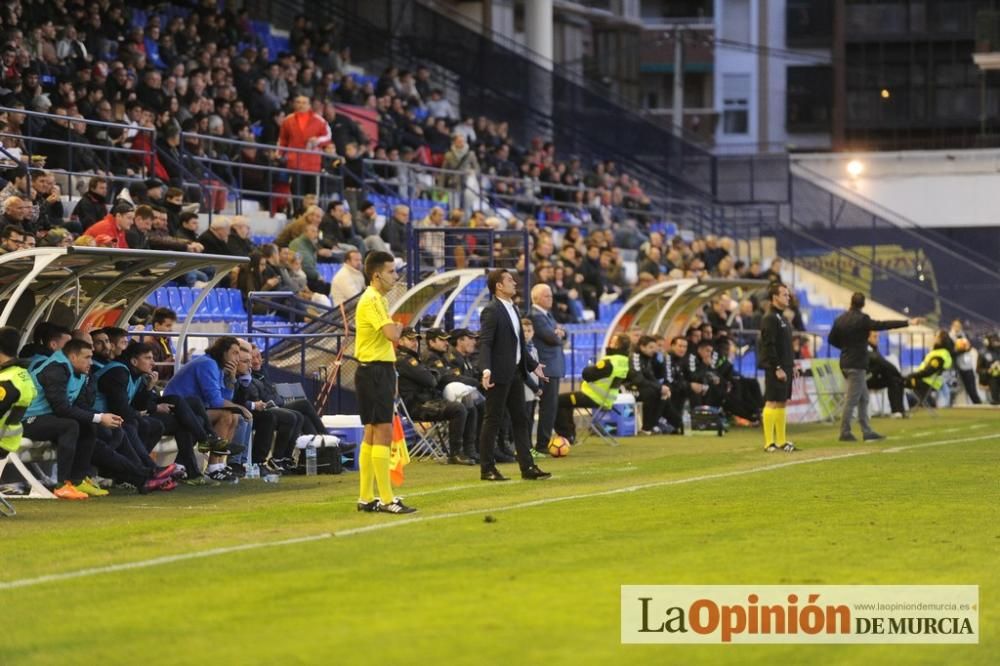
(419, 298)
(99, 286)
(665, 308)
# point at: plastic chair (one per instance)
(431, 437)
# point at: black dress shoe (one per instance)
(533, 473)
(459, 460)
(492, 475)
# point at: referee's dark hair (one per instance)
(857, 300)
(493, 278)
(375, 261)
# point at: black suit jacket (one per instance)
(498, 345)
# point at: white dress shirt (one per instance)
(516, 321)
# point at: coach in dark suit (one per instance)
(549, 337)
(504, 362)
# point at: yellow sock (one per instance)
(380, 461)
(367, 473)
(768, 416)
(779, 426)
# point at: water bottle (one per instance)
(687, 421)
(271, 477)
(253, 471)
(310, 461)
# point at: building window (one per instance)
(808, 22)
(809, 98)
(736, 21)
(735, 103)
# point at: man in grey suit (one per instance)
(549, 338)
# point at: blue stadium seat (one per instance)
(236, 303)
(187, 299)
(174, 300)
(326, 271)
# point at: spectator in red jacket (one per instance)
(117, 222)
(304, 130)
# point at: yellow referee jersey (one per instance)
(372, 313)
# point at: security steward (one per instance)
(17, 390)
(418, 387)
(928, 375)
(601, 383)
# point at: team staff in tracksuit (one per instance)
(883, 374)
(653, 394)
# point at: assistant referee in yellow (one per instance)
(375, 384)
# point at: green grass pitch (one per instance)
(535, 583)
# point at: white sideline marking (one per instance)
(170, 559)
(167, 559)
(897, 449)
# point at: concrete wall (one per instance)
(929, 188)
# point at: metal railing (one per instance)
(36, 122)
(326, 184)
(913, 263)
(430, 249)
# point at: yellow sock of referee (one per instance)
(366, 472)
(768, 416)
(380, 463)
(779, 426)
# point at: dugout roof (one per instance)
(97, 286)
(665, 308)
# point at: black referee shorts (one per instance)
(776, 390)
(375, 387)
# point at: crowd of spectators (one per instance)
(196, 70)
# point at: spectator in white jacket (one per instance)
(349, 281)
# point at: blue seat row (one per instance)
(419, 208)
(219, 304)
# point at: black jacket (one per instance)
(394, 234)
(417, 383)
(114, 385)
(642, 374)
(213, 245)
(674, 372)
(498, 345)
(879, 367)
(447, 368)
(90, 208)
(265, 388)
(850, 335)
(53, 381)
(776, 343)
